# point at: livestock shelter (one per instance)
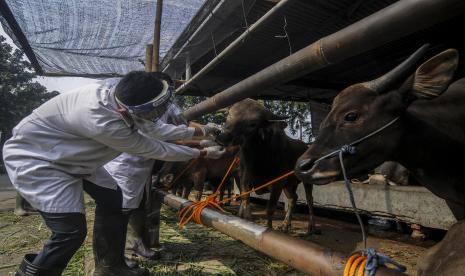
(292, 50)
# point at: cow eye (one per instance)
(351, 117)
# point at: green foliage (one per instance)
(186, 102)
(299, 117)
(19, 94)
(298, 113)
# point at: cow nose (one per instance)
(222, 139)
(304, 166)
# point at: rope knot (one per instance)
(367, 261)
(375, 259)
(347, 149)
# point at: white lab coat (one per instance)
(131, 172)
(67, 138)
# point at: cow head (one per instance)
(246, 118)
(365, 107)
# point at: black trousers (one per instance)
(69, 229)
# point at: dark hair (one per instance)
(139, 87)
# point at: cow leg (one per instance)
(222, 192)
(291, 196)
(308, 187)
(177, 189)
(198, 183)
(199, 191)
(271, 205)
(244, 209)
(186, 190)
(229, 187)
(446, 257)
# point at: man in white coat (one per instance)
(132, 172)
(65, 140)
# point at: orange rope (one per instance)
(355, 261)
(271, 182)
(194, 211)
(189, 165)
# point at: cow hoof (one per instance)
(247, 215)
(416, 234)
(285, 228)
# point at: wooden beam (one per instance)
(148, 57)
(156, 37)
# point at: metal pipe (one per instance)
(156, 36)
(303, 255)
(260, 23)
(188, 67)
(202, 25)
(391, 23)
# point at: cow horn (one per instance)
(383, 83)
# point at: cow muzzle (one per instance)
(307, 170)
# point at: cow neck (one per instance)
(432, 157)
(263, 154)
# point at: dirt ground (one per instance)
(196, 250)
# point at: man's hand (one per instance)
(210, 129)
(207, 143)
(214, 152)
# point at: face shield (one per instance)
(173, 115)
(155, 108)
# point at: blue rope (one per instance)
(375, 259)
(347, 149)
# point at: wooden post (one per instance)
(156, 37)
(152, 207)
(188, 68)
(148, 57)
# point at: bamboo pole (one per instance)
(303, 255)
(387, 25)
(148, 57)
(239, 41)
(156, 37)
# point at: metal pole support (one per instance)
(303, 255)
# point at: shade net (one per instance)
(95, 37)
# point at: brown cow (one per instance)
(266, 152)
(196, 174)
(426, 138)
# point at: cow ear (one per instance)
(433, 77)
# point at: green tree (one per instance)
(299, 119)
(19, 93)
(298, 114)
(186, 102)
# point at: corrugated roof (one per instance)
(308, 21)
